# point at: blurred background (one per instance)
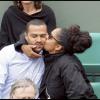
(84, 13)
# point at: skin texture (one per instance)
(27, 2)
(52, 45)
(24, 93)
(29, 7)
(36, 36)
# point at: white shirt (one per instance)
(14, 66)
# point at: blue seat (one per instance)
(96, 88)
(91, 57)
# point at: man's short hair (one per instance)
(35, 22)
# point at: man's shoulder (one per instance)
(7, 53)
(8, 49)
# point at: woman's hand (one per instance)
(27, 49)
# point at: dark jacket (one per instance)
(65, 77)
(14, 22)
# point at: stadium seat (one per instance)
(91, 58)
(96, 88)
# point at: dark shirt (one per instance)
(65, 77)
(15, 20)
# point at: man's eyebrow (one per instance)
(38, 34)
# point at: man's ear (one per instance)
(26, 37)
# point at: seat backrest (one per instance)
(91, 57)
(96, 88)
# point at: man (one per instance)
(15, 65)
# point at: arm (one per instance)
(22, 46)
(19, 44)
(4, 31)
(3, 70)
(75, 85)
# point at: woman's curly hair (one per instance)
(74, 40)
(37, 4)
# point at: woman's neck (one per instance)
(29, 8)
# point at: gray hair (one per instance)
(23, 83)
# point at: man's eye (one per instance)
(43, 36)
(34, 36)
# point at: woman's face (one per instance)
(52, 41)
(26, 2)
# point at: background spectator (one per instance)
(18, 15)
(23, 89)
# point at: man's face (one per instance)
(37, 35)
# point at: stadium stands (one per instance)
(91, 59)
(96, 88)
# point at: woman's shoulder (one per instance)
(11, 9)
(68, 59)
(47, 8)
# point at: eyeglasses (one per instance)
(52, 37)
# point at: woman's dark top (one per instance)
(65, 77)
(15, 20)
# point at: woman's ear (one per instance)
(58, 47)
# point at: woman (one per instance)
(17, 16)
(64, 76)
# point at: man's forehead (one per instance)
(41, 33)
(37, 29)
(37, 26)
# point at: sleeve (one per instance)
(51, 20)
(1, 91)
(4, 31)
(75, 84)
(19, 43)
(3, 71)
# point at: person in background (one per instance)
(18, 15)
(24, 89)
(64, 76)
(15, 65)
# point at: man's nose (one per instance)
(39, 39)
